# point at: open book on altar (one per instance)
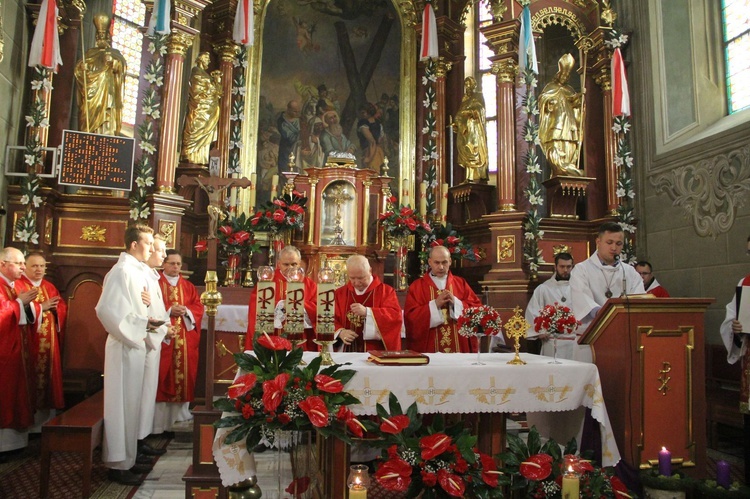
(398, 358)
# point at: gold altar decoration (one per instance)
(516, 328)
(202, 117)
(211, 298)
(94, 233)
(100, 83)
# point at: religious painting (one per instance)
(330, 86)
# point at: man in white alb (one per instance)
(556, 289)
(600, 277)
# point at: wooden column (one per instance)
(174, 65)
(503, 40)
(227, 54)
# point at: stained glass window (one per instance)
(736, 21)
(129, 17)
(487, 81)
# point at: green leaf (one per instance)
(224, 405)
(394, 405)
(230, 421)
(236, 435)
(534, 443)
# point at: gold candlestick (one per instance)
(516, 328)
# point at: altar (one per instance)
(453, 384)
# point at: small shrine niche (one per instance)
(339, 214)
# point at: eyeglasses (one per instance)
(15, 263)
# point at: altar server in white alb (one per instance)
(600, 277)
(124, 315)
(156, 310)
(556, 289)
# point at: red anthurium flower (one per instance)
(394, 424)
(225, 229)
(242, 385)
(393, 451)
(280, 203)
(394, 474)
(297, 194)
(316, 410)
(618, 487)
(452, 240)
(582, 466)
(273, 392)
(297, 208)
(275, 342)
(279, 216)
(490, 475)
(352, 422)
(411, 223)
(453, 484)
(434, 445)
(328, 384)
(256, 218)
(298, 486)
(201, 246)
(392, 199)
(429, 479)
(536, 467)
(241, 236)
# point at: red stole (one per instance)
(16, 409)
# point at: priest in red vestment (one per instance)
(434, 303)
(367, 313)
(178, 367)
(288, 259)
(17, 309)
(45, 343)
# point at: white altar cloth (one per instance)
(229, 318)
(450, 383)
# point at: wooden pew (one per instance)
(79, 429)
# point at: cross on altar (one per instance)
(214, 187)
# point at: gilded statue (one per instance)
(202, 117)
(100, 81)
(471, 131)
(560, 131)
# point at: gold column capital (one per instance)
(603, 78)
(442, 67)
(227, 51)
(179, 42)
(505, 70)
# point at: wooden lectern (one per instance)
(650, 355)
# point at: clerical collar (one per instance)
(617, 262)
(35, 283)
(560, 279)
(440, 282)
(171, 280)
(360, 293)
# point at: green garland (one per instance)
(147, 133)
(430, 132)
(25, 229)
(532, 232)
(237, 118)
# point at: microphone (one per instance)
(624, 285)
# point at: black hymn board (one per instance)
(96, 161)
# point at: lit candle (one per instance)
(444, 202)
(665, 462)
(423, 199)
(295, 305)
(405, 192)
(253, 191)
(274, 185)
(326, 286)
(265, 303)
(357, 492)
(570, 485)
(722, 474)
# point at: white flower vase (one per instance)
(554, 350)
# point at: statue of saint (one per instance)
(560, 131)
(202, 117)
(471, 131)
(100, 81)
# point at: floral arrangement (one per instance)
(402, 221)
(556, 319)
(285, 213)
(277, 393)
(430, 461)
(536, 470)
(235, 237)
(148, 130)
(445, 235)
(480, 320)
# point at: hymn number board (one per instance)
(97, 161)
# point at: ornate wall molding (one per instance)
(710, 191)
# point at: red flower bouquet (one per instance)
(285, 213)
(481, 320)
(556, 319)
(402, 221)
(277, 393)
(434, 460)
(445, 235)
(235, 237)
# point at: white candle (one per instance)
(423, 199)
(265, 306)
(325, 325)
(253, 190)
(274, 185)
(444, 202)
(405, 192)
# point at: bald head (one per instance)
(439, 261)
(12, 264)
(359, 271)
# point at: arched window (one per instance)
(129, 17)
(736, 23)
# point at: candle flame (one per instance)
(664, 449)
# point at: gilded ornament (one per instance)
(505, 70)
(202, 117)
(471, 134)
(94, 233)
(560, 248)
(506, 249)
(48, 231)
(179, 43)
(516, 328)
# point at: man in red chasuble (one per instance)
(178, 366)
(288, 259)
(17, 309)
(434, 303)
(45, 344)
(368, 315)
